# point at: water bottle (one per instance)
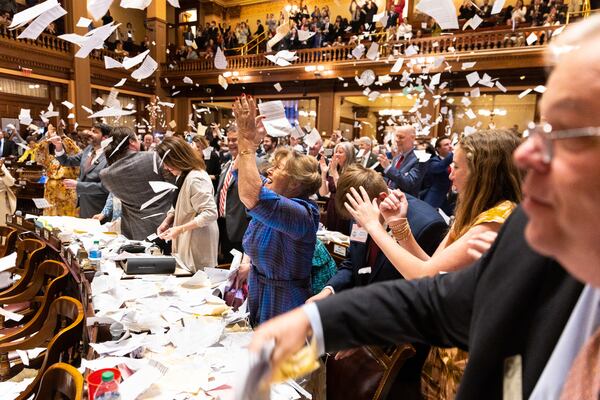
(95, 255)
(109, 388)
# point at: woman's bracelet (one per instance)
(400, 230)
(247, 151)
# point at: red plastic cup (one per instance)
(95, 379)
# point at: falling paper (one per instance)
(435, 80)
(188, 80)
(540, 88)
(497, 7)
(145, 70)
(220, 60)
(470, 114)
(129, 62)
(474, 22)
(443, 11)
(83, 22)
(121, 82)
(92, 40)
(98, 8)
(524, 93)
(532, 38)
(275, 122)
(110, 62)
(373, 52)
(99, 101)
(411, 50)
(154, 199)
(23, 17)
(138, 4)
(397, 65)
(166, 104)
(38, 25)
(174, 3)
(467, 65)
(500, 86)
(303, 36)
(25, 116)
(67, 104)
(472, 78)
(475, 92)
(358, 51)
(278, 87)
(223, 82)
(111, 112)
(159, 186)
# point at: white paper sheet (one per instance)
(98, 8)
(312, 138)
(467, 65)
(524, 93)
(497, 7)
(129, 62)
(37, 26)
(473, 78)
(188, 80)
(373, 52)
(10, 315)
(137, 4)
(120, 83)
(110, 62)
(83, 22)
(358, 51)
(305, 35)
(23, 17)
(25, 116)
(276, 124)
(8, 262)
(111, 112)
(154, 199)
(443, 11)
(397, 65)
(220, 60)
(159, 186)
(68, 104)
(174, 3)
(278, 87)
(223, 82)
(146, 69)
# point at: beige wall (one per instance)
(125, 15)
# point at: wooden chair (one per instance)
(49, 282)
(8, 238)
(62, 331)
(61, 382)
(30, 253)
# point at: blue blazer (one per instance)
(409, 176)
(437, 174)
(428, 228)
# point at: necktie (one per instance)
(399, 162)
(90, 159)
(373, 252)
(583, 380)
(223, 192)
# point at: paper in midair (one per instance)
(188, 80)
(472, 78)
(275, 122)
(83, 22)
(67, 104)
(305, 35)
(110, 63)
(174, 3)
(220, 60)
(397, 65)
(278, 87)
(146, 69)
(497, 7)
(37, 26)
(373, 52)
(129, 62)
(121, 82)
(524, 93)
(98, 8)
(442, 11)
(223, 82)
(137, 4)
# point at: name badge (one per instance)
(358, 234)
(512, 388)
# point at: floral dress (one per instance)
(444, 368)
(63, 200)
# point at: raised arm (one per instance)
(249, 182)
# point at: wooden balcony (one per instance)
(47, 55)
(492, 50)
(109, 77)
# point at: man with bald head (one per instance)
(528, 311)
(404, 172)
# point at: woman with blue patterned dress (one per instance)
(281, 236)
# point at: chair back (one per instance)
(61, 382)
(67, 316)
(8, 238)
(30, 253)
(48, 283)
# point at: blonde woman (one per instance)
(489, 188)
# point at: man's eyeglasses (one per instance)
(545, 136)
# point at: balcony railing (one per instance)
(429, 46)
(44, 41)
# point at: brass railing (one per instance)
(44, 41)
(429, 46)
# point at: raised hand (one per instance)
(480, 243)
(244, 110)
(394, 207)
(364, 210)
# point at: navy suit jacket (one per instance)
(409, 176)
(428, 228)
(437, 174)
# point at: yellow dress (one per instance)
(63, 200)
(444, 368)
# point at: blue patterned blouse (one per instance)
(280, 241)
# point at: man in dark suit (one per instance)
(232, 220)
(366, 263)
(511, 307)
(91, 194)
(8, 148)
(367, 158)
(438, 174)
(404, 172)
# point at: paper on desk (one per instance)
(276, 124)
(8, 262)
(38, 25)
(443, 11)
(109, 362)
(252, 370)
(220, 60)
(497, 7)
(146, 69)
(10, 315)
(11, 390)
(199, 279)
(139, 382)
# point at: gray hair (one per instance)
(574, 37)
(348, 149)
